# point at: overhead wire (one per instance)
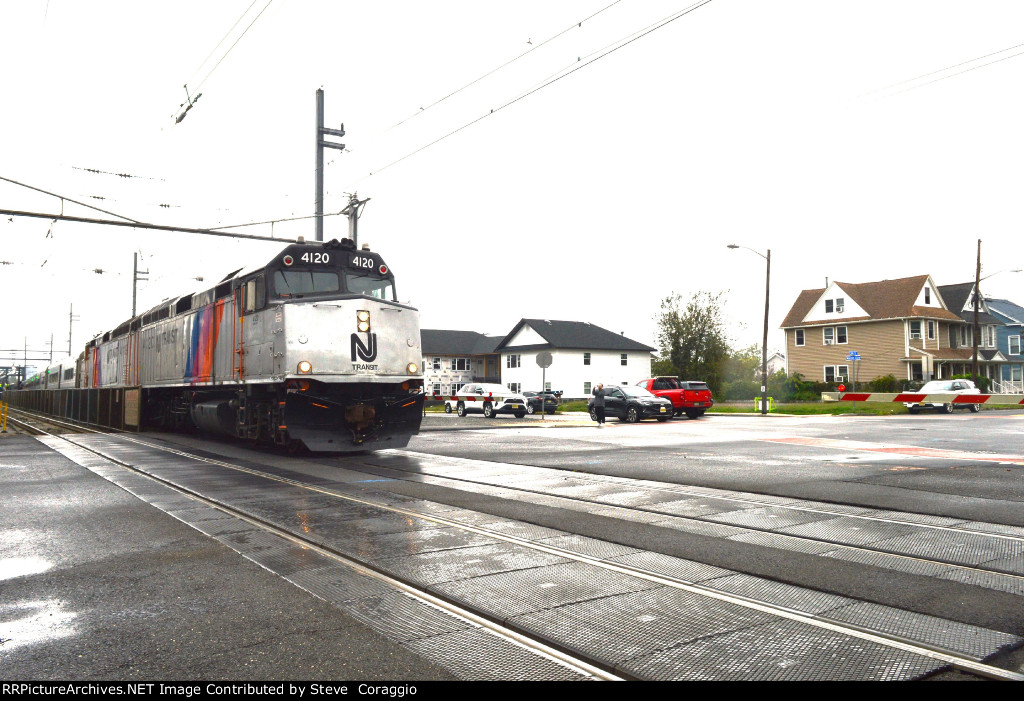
(943, 70)
(491, 72)
(221, 42)
(230, 48)
(617, 45)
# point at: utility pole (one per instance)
(136, 273)
(353, 211)
(321, 131)
(977, 294)
(71, 320)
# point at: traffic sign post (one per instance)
(853, 357)
(544, 361)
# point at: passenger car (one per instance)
(534, 401)
(945, 387)
(487, 398)
(631, 404)
(688, 397)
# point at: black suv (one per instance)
(533, 400)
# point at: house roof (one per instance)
(958, 296)
(573, 334)
(451, 342)
(887, 299)
(1014, 313)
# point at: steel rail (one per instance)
(948, 657)
(573, 662)
(655, 487)
(753, 529)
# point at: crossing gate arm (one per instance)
(912, 398)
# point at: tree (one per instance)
(692, 338)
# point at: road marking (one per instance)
(892, 449)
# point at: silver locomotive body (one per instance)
(310, 350)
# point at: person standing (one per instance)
(599, 404)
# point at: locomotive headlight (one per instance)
(305, 367)
(412, 368)
(363, 320)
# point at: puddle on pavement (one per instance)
(12, 567)
(32, 622)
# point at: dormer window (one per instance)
(927, 295)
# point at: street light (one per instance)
(764, 340)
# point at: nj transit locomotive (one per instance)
(311, 349)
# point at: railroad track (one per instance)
(481, 475)
(34, 424)
(565, 652)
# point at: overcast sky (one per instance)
(858, 141)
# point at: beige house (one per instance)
(899, 327)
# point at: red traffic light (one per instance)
(842, 388)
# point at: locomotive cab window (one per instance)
(298, 283)
(371, 287)
(255, 294)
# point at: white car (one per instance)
(945, 387)
(489, 399)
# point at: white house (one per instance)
(452, 359)
(582, 356)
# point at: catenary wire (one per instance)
(491, 72)
(221, 42)
(216, 65)
(652, 28)
(945, 77)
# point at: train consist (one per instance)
(312, 349)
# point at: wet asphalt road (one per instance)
(128, 592)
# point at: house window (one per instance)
(624, 358)
(461, 364)
(915, 329)
(515, 386)
(1014, 345)
(828, 306)
(991, 337)
(836, 373)
(840, 304)
(586, 388)
(799, 337)
(828, 335)
(927, 296)
(436, 388)
(931, 330)
(512, 361)
(436, 364)
(456, 386)
(586, 358)
(840, 334)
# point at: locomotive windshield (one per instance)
(361, 284)
(289, 283)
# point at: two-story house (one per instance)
(452, 359)
(898, 327)
(582, 356)
(960, 300)
(1010, 337)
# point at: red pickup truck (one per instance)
(690, 398)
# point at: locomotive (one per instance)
(310, 350)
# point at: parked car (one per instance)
(631, 404)
(487, 398)
(688, 397)
(945, 387)
(534, 400)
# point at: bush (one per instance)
(885, 383)
(984, 383)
